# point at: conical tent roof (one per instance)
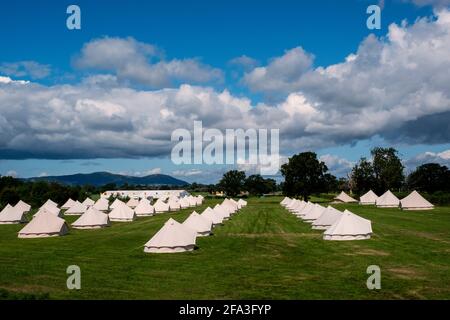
(122, 213)
(343, 197)
(388, 200)
(299, 207)
(93, 218)
(328, 218)
(102, 204)
(7, 207)
(11, 215)
(284, 201)
(306, 209)
(55, 211)
(221, 212)
(349, 227)
(314, 214)
(21, 205)
(161, 206)
(174, 205)
(242, 202)
(116, 203)
(88, 202)
(368, 198)
(414, 201)
(50, 202)
(192, 201)
(172, 237)
(184, 203)
(69, 203)
(133, 203)
(209, 213)
(144, 208)
(77, 208)
(44, 225)
(198, 223)
(49, 208)
(293, 205)
(199, 200)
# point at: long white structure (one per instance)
(140, 194)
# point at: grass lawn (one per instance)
(262, 253)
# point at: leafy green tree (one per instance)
(330, 183)
(303, 175)
(430, 177)
(388, 169)
(232, 182)
(257, 185)
(363, 176)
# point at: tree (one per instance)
(232, 182)
(303, 175)
(430, 177)
(330, 183)
(363, 176)
(388, 169)
(257, 185)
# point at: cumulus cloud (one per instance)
(337, 166)
(282, 74)
(30, 69)
(443, 158)
(245, 62)
(141, 63)
(396, 87)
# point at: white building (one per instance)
(141, 194)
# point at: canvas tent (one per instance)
(172, 237)
(328, 218)
(77, 209)
(122, 213)
(45, 224)
(92, 219)
(201, 225)
(209, 214)
(88, 202)
(101, 204)
(387, 200)
(349, 226)
(160, 206)
(50, 208)
(314, 214)
(368, 198)
(199, 200)
(144, 208)
(184, 203)
(21, 205)
(116, 203)
(51, 203)
(69, 203)
(133, 203)
(192, 201)
(174, 205)
(242, 203)
(345, 198)
(414, 201)
(12, 215)
(285, 201)
(306, 209)
(225, 214)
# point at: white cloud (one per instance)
(8, 80)
(187, 173)
(245, 62)
(281, 74)
(21, 69)
(337, 166)
(11, 173)
(443, 158)
(142, 63)
(434, 3)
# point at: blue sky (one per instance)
(211, 35)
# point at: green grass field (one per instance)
(264, 252)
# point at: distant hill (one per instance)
(101, 178)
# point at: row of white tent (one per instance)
(48, 219)
(414, 201)
(181, 237)
(337, 225)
